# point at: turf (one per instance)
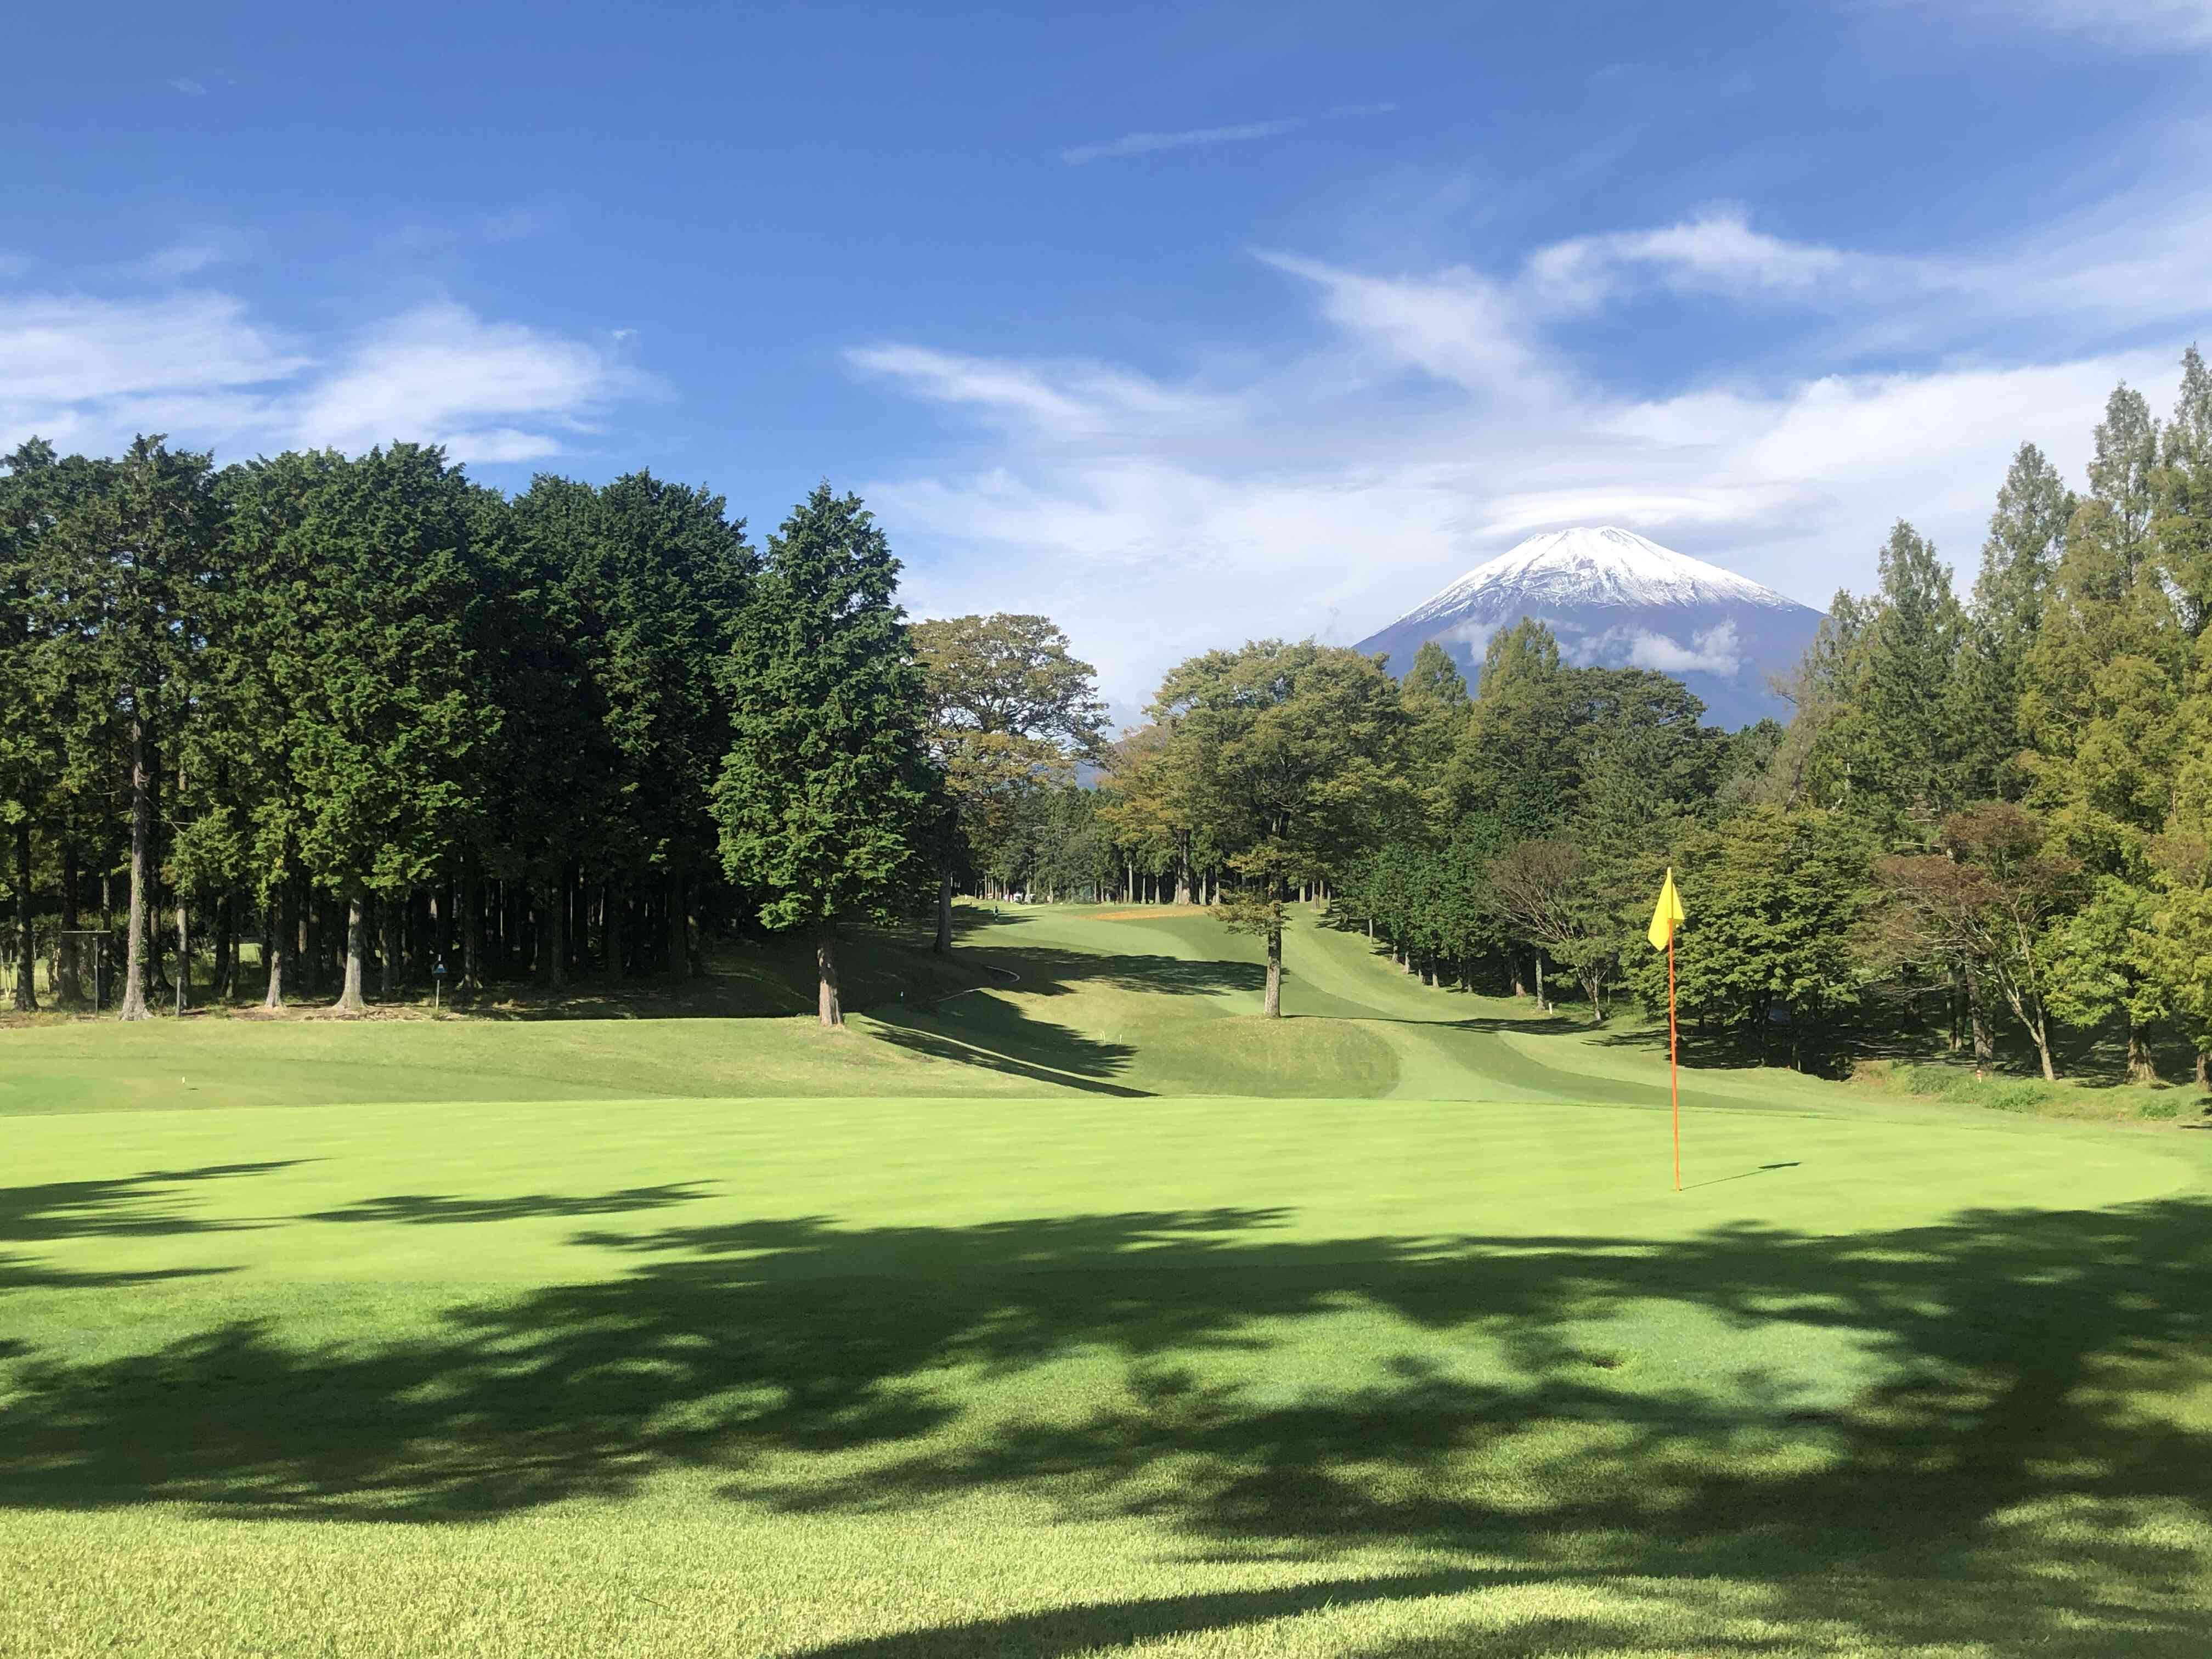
(1417, 1354)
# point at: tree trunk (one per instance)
(27, 950)
(1539, 984)
(826, 1005)
(142, 869)
(1978, 1014)
(350, 1000)
(943, 914)
(2037, 1030)
(184, 956)
(310, 939)
(70, 990)
(616, 907)
(276, 948)
(680, 932)
(2203, 1069)
(1273, 1007)
(387, 948)
(226, 949)
(2141, 1068)
(552, 934)
(472, 933)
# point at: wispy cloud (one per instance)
(1143, 143)
(190, 255)
(189, 87)
(1441, 415)
(2133, 26)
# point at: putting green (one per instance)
(496, 1191)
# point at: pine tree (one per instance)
(828, 799)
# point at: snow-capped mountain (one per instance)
(1618, 601)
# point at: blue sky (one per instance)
(1181, 323)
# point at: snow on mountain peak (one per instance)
(1603, 566)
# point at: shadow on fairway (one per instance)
(997, 1035)
(123, 1206)
(2026, 1474)
(1095, 1625)
(433, 1210)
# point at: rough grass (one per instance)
(736, 1365)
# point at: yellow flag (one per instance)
(1666, 916)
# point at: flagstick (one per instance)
(1673, 1076)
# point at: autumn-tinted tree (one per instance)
(1986, 898)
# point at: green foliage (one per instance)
(1995, 1094)
(1776, 900)
(828, 799)
(1013, 710)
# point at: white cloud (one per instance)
(64, 348)
(441, 373)
(1145, 144)
(91, 372)
(1445, 416)
(1714, 650)
(189, 87)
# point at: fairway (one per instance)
(1029, 1320)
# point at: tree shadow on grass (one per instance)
(117, 1207)
(997, 1035)
(122, 1207)
(432, 1209)
(1090, 1626)
(2026, 1469)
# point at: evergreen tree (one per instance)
(1437, 704)
(370, 624)
(2181, 532)
(1911, 646)
(129, 562)
(2019, 559)
(1511, 760)
(828, 799)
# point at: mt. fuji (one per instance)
(1616, 600)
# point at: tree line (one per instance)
(372, 714)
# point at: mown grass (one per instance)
(1093, 1365)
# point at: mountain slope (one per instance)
(1618, 601)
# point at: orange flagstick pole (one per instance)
(1673, 1074)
